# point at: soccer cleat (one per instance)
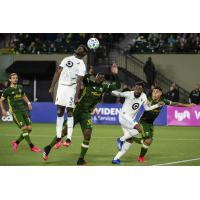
(46, 152)
(81, 161)
(119, 144)
(36, 149)
(14, 145)
(141, 159)
(67, 143)
(58, 144)
(116, 162)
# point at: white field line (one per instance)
(177, 162)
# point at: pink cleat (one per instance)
(141, 159)
(58, 144)
(67, 143)
(14, 145)
(36, 149)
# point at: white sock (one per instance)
(59, 125)
(70, 124)
(124, 149)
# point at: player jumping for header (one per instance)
(69, 75)
(133, 101)
(16, 97)
(82, 114)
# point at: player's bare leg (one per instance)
(48, 148)
(84, 146)
(59, 125)
(145, 146)
(70, 125)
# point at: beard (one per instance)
(137, 95)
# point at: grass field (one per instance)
(172, 146)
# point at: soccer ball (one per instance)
(93, 43)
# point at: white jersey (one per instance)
(132, 104)
(72, 68)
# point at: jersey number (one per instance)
(69, 63)
(135, 106)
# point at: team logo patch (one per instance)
(135, 106)
(69, 63)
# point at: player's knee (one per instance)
(29, 128)
(138, 128)
(87, 134)
(70, 112)
(148, 141)
(60, 113)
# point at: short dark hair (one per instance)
(84, 47)
(140, 83)
(158, 88)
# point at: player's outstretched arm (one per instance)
(148, 108)
(3, 111)
(55, 79)
(182, 104)
(120, 94)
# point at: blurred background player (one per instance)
(146, 122)
(16, 97)
(69, 75)
(133, 101)
(82, 114)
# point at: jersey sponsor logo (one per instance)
(135, 106)
(69, 63)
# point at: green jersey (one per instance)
(93, 92)
(150, 116)
(14, 96)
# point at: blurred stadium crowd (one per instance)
(49, 43)
(164, 43)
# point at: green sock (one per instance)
(54, 141)
(27, 138)
(21, 137)
(143, 151)
(84, 148)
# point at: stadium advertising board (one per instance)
(181, 116)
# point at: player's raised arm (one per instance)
(86, 79)
(55, 79)
(115, 84)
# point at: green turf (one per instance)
(170, 144)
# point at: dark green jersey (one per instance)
(150, 116)
(14, 96)
(93, 92)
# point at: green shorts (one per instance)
(84, 119)
(148, 130)
(21, 118)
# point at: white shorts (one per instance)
(65, 95)
(128, 125)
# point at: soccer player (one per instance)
(16, 98)
(92, 95)
(133, 101)
(146, 122)
(69, 75)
